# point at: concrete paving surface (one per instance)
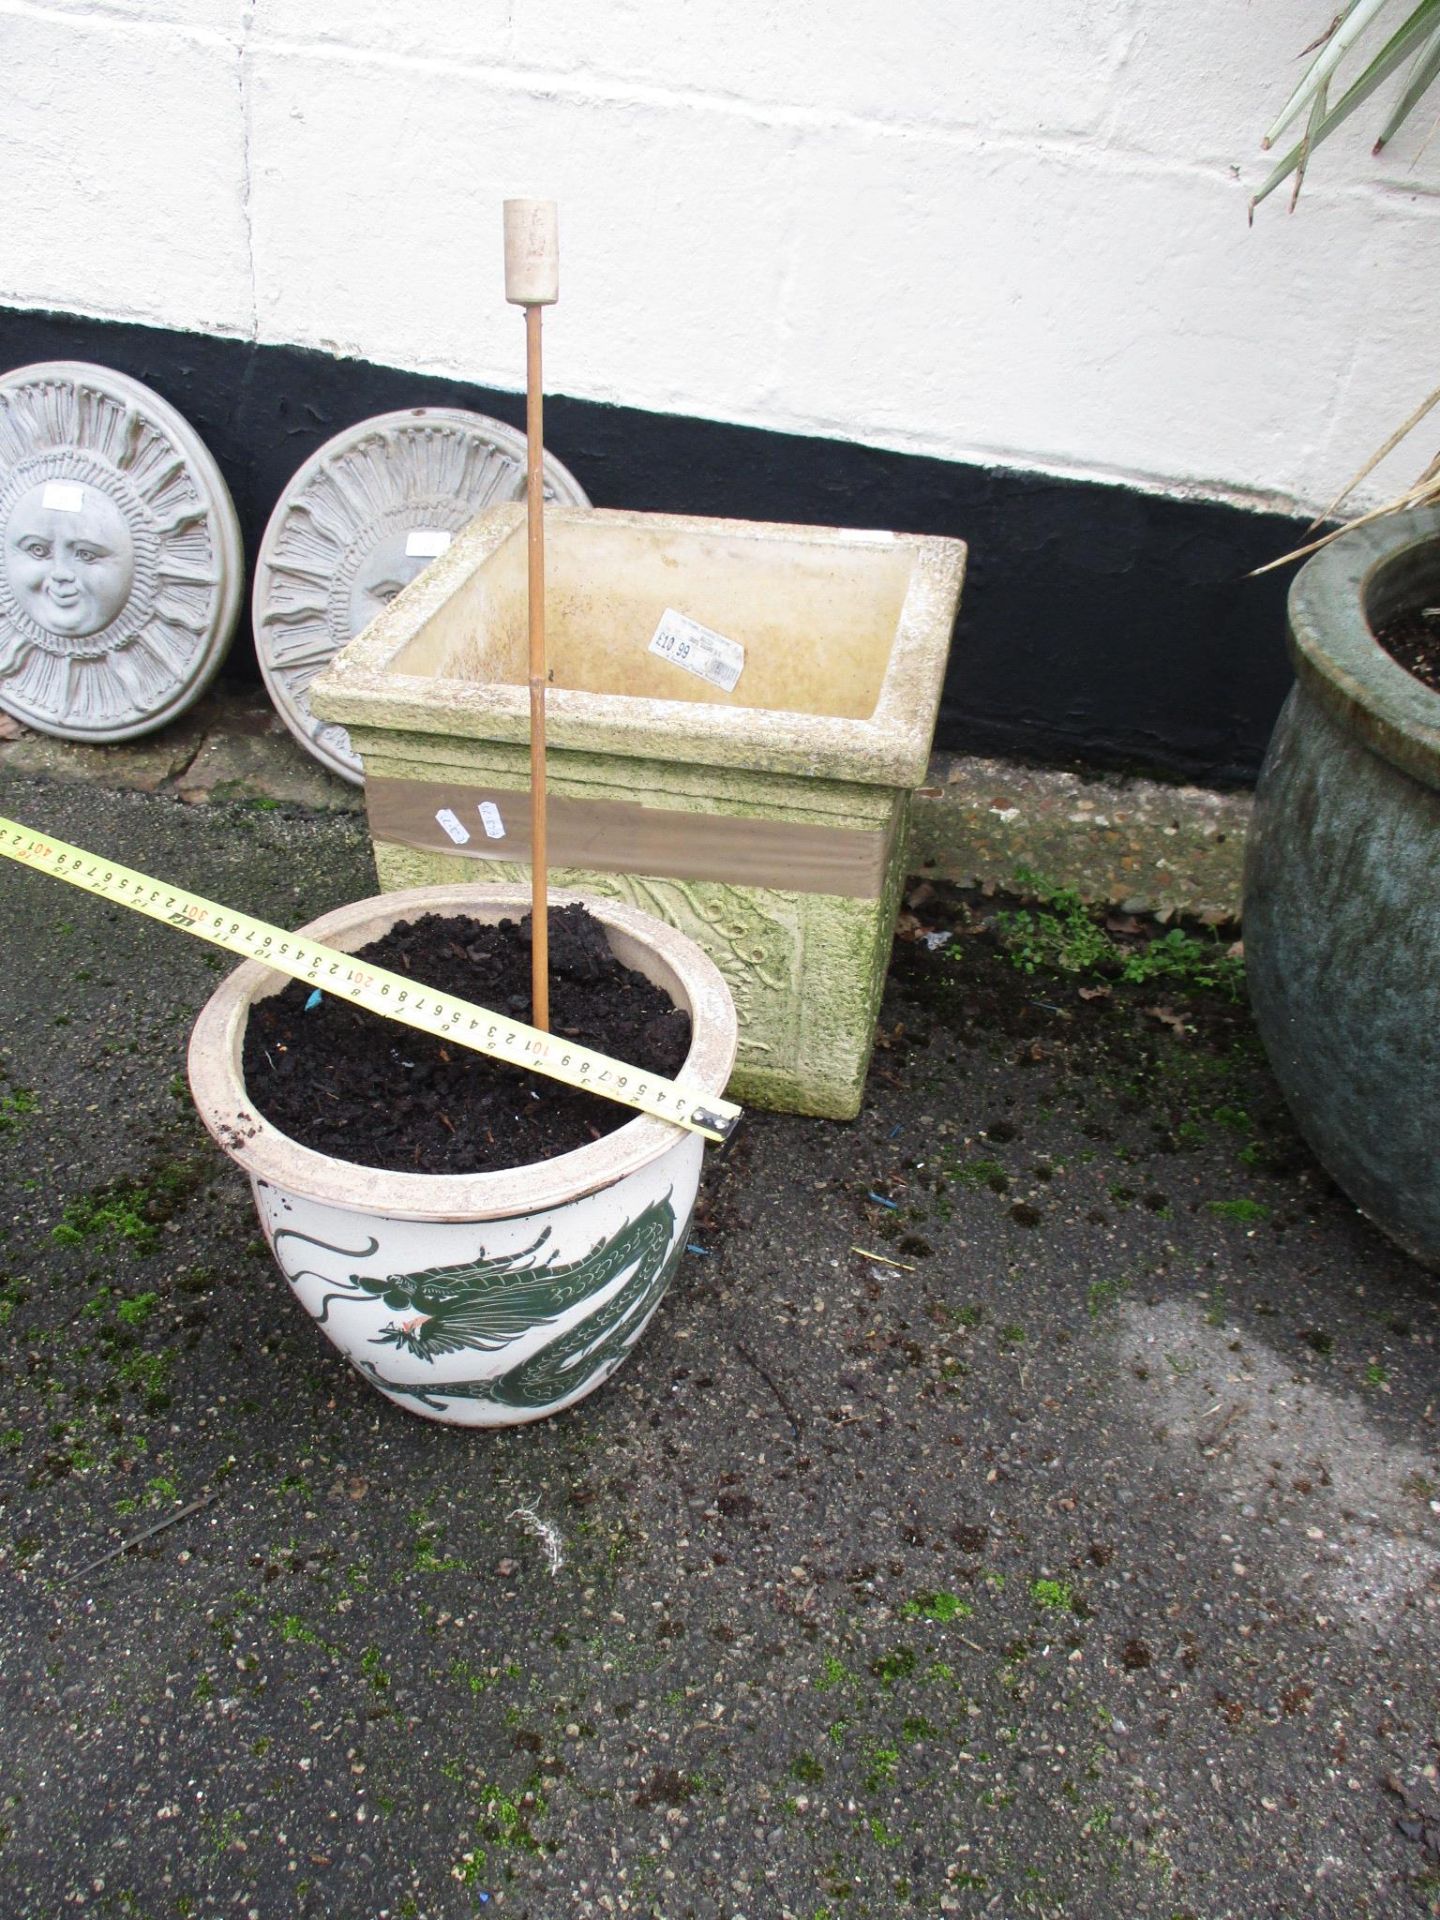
(1026, 1501)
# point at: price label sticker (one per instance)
(60, 496)
(449, 821)
(490, 819)
(699, 650)
(426, 543)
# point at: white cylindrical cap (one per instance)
(532, 253)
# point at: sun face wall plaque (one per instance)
(120, 560)
(358, 522)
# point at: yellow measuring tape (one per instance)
(374, 988)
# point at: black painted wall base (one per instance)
(1099, 626)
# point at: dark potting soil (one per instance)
(1413, 639)
(362, 1088)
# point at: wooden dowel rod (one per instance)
(532, 281)
(535, 523)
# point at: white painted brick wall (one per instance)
(1012, 233)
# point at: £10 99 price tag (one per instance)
(700, 650)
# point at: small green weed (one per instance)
(1055, 1596)
(112, 1215)
(506, 1818)
(130, 1211)
(137, 1310)
(1059, 934)
(477, 1680)
(981, 1173)
(1105, 1293)
(896, 1665)
(935, 1606)
(1249, 1212)
(147, 1374)
(14, 1106)
(1180, 957)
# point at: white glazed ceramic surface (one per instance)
(477, 1299)
(487, 1323)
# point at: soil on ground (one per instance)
(350, 1083)
(1413, 640)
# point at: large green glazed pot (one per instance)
(1342, 883)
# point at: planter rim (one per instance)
(266, 1154)
(360, 689)
(1337, 657)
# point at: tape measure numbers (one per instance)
(374, 988)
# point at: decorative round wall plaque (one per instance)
(359, 521)
(120, 558)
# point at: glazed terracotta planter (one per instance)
(1342, 906)
(481, 1299)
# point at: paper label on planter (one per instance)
(490, 819)
(447, 819)
(426, 543)
(699, 650)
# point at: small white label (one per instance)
(449, 821)
(699, 650)
(426, 543)
(61, 497)
(490, 819)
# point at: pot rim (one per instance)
(1336, 655)
(217, 1082)
(362, 688)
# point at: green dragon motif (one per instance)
(595, 1345)
(485, 1303)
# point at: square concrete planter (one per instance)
(767, 821)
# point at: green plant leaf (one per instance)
(1413, 34)
(1422, 78)
(1346, 30)
(1312, 134)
